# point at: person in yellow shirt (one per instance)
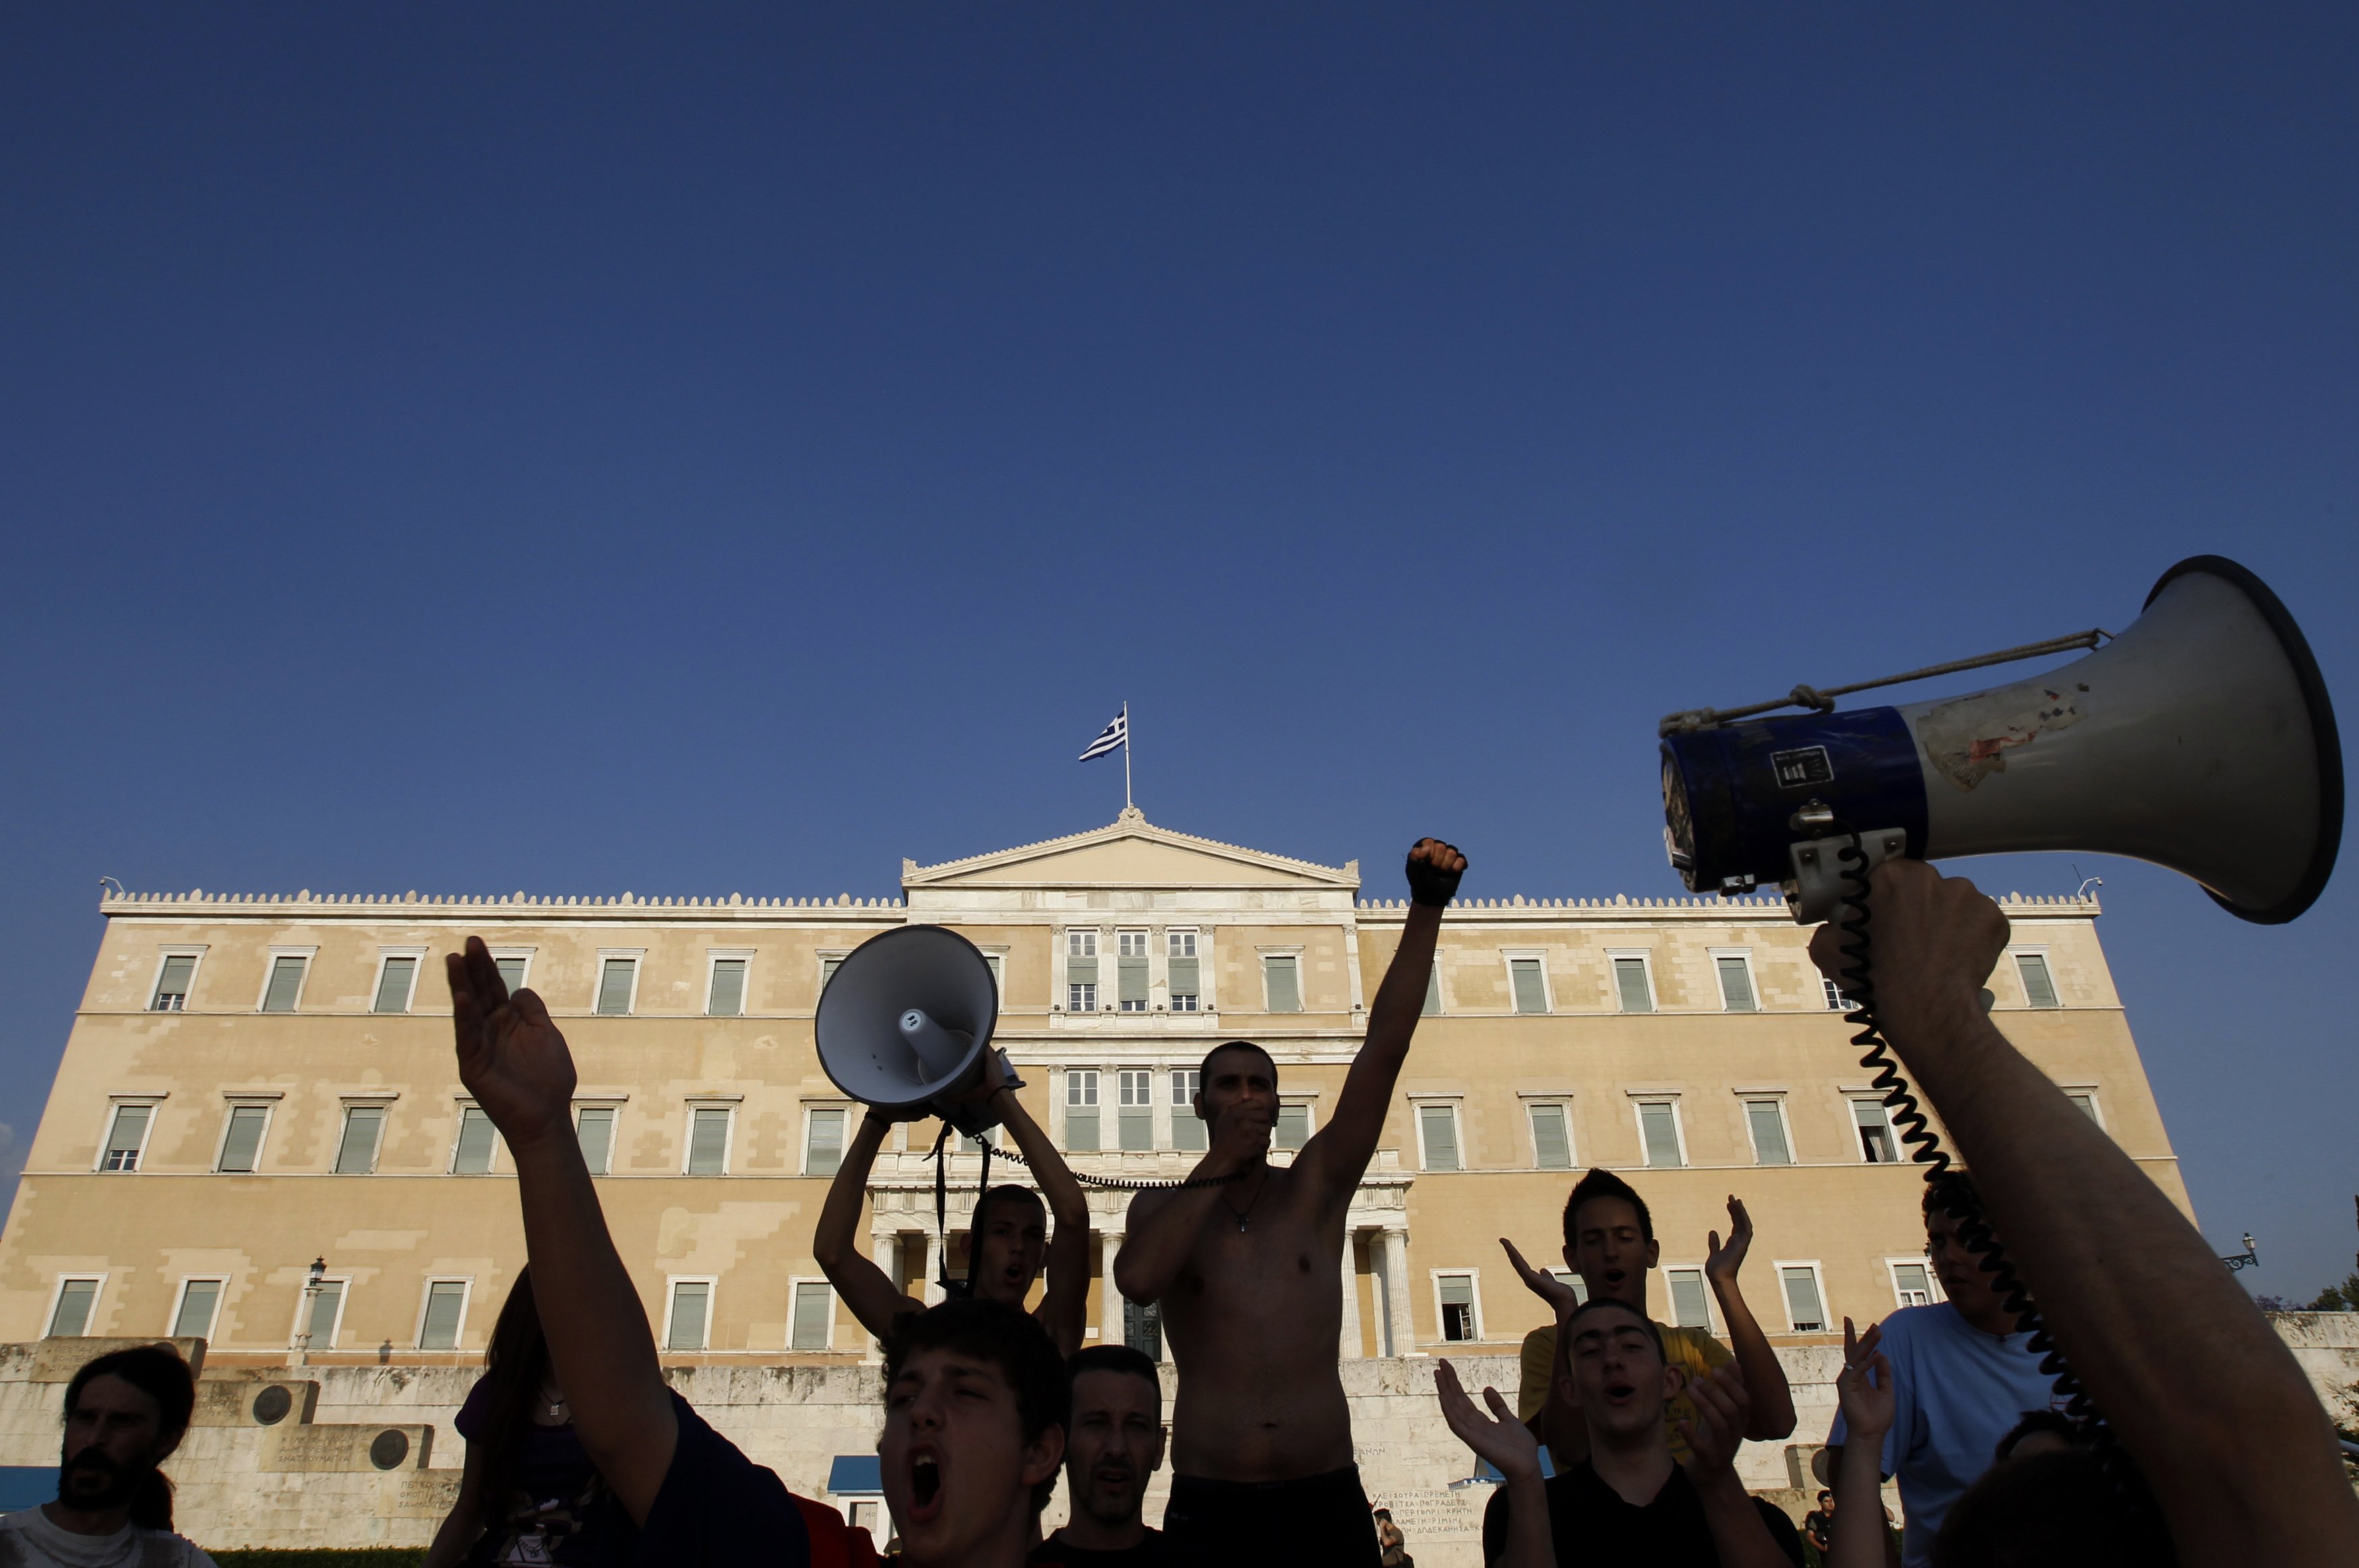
(1609, 1241)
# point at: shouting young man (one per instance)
(1114, 1445)
(1247, 1272)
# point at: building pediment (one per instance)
(1131, 852)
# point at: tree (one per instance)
(2344, 1297)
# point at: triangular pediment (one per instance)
(1131, 852)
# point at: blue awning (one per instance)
(851, 1474)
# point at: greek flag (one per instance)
(1112, 738)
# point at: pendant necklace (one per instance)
(1246, 1213)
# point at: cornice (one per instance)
(1131, 823)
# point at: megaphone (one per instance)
(905, 1021)
(2201, 739)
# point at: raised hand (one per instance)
(1723, 1407)
(1500, 1438)
(1936, 941)
(1722, 1262)
(1867, 1402)
(1434, 869)
(511, 1058)
(1559, 1295)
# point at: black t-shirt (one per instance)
(1591, 1524)
(1055, 1554)
(718, 1507)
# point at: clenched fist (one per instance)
(1434, 869)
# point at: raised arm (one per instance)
(1865, 1390)
(515, 1062)
(1738, 1535)
(1067, 1264)
(2232, 1443)
(1338, 1153)
(1765, 1376)
(1514, 1453)
(871, 1294)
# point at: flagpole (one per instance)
(1127, 804)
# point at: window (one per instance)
(327, 1314)
(1437, 1126)
(1551, 1138)
(998, 962)
(1805, 1307)
(1189, 1133)
(356, 1150)
(1130, 971)
(397, 977)
(2086, 1100)
(1735, 983)
(512, 967)
(1911, 1285)
(285, 987)
(2038, 989)
(1574, 1283)
(70, 1319)
(1876, 1142)
(618, 981)
(1081, 1110)
(823, 1140)
(1766, 1121)
(446, 1309)
(1836, 1001)
(1281, 981)
(827, 967)
(1691, 1304)
(1632, 984)
(1658, 1129)
(708, 1141)
(127, 1135)
(1081, 971)
(193, 1318)
(725, 990)
(1293, 1129)
(1457, 1298)
(241, 1145)
(172, 983)
(1529, 985)
(1134, 1088)
(1433, 988)
(1187, 986)
(595, 1125)
(692, 1303)
(814, 1317)
(472, 1155)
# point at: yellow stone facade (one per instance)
(293, 1014)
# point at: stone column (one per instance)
(1349, 1347)
(1401, 1325)
(931, 1291)
(1109, 1298)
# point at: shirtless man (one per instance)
(1247, 1272)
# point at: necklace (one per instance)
(1246, 1213)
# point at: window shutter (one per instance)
(286, 984)
(1082, 971)
(511, 973)
(393, 982)
(1433, 988)
(1551, 1148)
(444, 1299)
(1457, 1290)
(1768, 1132)
(728, 999)
(813, 1310)
(1130, 977)
(1630, 978)
(1081, 1111)
(1439, 1123)
(708, 1149)
(75, 1298)
(124, 1138)
(689, 1301)
(823, 1154)
(2038, 989)
(327, 1302)
(1293, 1129)
(597, 1129)
(1285, 992)
(172, 987)
(195, 1318)
(1662, 1134)
(1189, 1134)
(827, 967)
(614, 977)
(242, 1145)
(475, 1154)
(1183, 978)
(356, 1155)
(1735, 986)
(1689, 1307)
(1531, 996)
(1803, 1307)
(2087, 1105)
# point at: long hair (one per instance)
(516, 1362)
(157, 1371)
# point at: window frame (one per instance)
(689, 1108)
(1752, 977)
(1645, 957)
(465, 1103)
(164, 955)
(711, 1283)
(1510, 958)
(1747, 1099)
(811, 1112)
(1065, 1105)
(2096, 1108)
(524, 981)
(2016, 954)
(1563, 1103)
(1818, 1280)
(231, 1104)
(638, 957)
(1199, 940)
(1892, 1267)
(795, 1283)
(614, 1103)
(1420, 1104)
(1473, 1278)
(1308, 1106)
(1123, 1084)
(1703, 1281)
(1183, 1112)
(467, 1283)
(180, 1300)
(1294, 955)
(58, 1295)
(116, 1105)
(303, 1300)
(376, 982)
(1853, 1099)
(713, 958)
(1638, 1102)
(271, 957)
(348, 1104)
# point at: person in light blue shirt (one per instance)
(1961, 1380)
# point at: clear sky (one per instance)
(696, 449)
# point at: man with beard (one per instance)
(1113, 1445)
(1245, 1267)
(125, 1413)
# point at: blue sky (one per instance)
(579, 450)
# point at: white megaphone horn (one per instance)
(905, 1021)
(2201, 738)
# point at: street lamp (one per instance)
(310, 1305)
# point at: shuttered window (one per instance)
(286, 984)
(2037, 989)
(473, 1156)
(327, 1306)
(70, 1320)
(1134, 1088)
(1690, 1306)
(1187, 986)
(1658, 1126)
(1439, 1123)
(1875, 1144)
(690, 1299)
(596, 1127)
(1280, 975)
(823, 1141)
(1531, 991)
(195, 1318)
(1910, 1285)
(446, 1305)
(1189, 1133)
(1130, 971)
(2086, 1103)
(727, 996)
(172, 985)
(1082, 972)
(1081, 1110)
(827, 967)
(125, 1136)
(708, 1141)
(393, 985)
(815, 1315)
(1551, 1139)
(241, 1139)
(1630, 984)
(511, 970)
(1803, 1307)
(1768, 1127)
(1735, 984)
(356, 1151)
(1457, 1291)
(1293, 1129)
(615, 978)
(1433, 989)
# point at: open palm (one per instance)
(511, 1056)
